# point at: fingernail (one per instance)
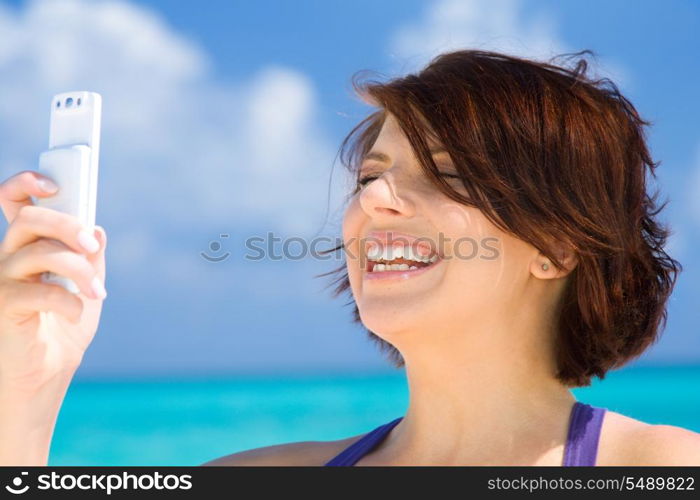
(98, 288)
(47, 185)
(101, 231)
(88, 241)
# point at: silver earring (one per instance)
(545, 266)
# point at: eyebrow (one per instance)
(376, 155)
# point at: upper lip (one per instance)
(386, 237)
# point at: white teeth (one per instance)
(392, 267)
(376, 252)
(411, 255)
(414, 256)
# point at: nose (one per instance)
(381, 198)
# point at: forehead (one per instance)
(391, 136)
(391, 132)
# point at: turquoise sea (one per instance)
(190, 421)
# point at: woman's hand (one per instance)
(44, 329)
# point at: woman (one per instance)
(500, 244)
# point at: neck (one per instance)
(480, 404)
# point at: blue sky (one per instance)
(224, 118)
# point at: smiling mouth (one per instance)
(393, 254)
(398, 268)
(399, 264)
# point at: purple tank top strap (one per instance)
(362, 446)
(581, 448)
(583, 436)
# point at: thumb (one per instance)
(97, 259)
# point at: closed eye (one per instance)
(366, 179)
(369, 178)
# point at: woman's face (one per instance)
(482, 271)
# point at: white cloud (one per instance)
(498, 25)
(480, 24)
(167, 125)
(178, 147)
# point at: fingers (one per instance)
(20, 298)
(32, 223)
(97, 259)
(51, 255)
(16, 192)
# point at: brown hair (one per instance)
(544, 151)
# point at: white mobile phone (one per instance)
(72, 161)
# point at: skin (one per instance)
(44, 329)
(488, 321)
(476, 336)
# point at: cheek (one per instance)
(459, 231)
(459, 221)
(353, 221)
(475, 249)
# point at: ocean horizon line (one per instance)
(316, 373)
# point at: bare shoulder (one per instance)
(301, 453)
(668, 445)
(627, 441)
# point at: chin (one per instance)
(388, 322)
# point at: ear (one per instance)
(567, 257)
